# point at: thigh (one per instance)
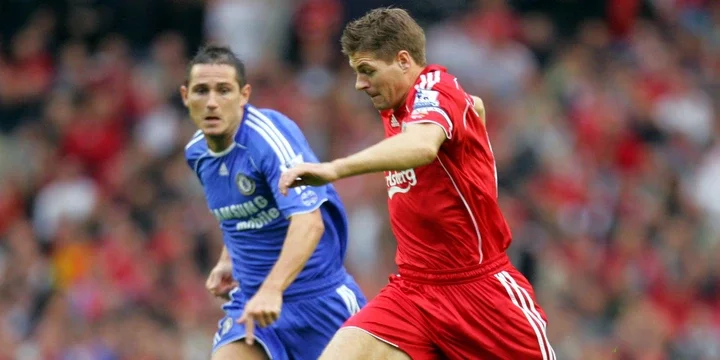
(307, 326)
(498, 318)
(352, 343)
(239, 350)
(230, 336)
(389, 324)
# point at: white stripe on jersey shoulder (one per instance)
(273, 129)
(196, 137)
(272, 135)
(268, 139)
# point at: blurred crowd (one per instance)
(602, 114)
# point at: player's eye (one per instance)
(200, 90)
(367, 72)
(225, 91)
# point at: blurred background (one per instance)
(603, 116)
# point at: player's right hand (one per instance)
(310, 174)
(220, 281)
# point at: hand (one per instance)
(220, 281)
(264, 308)
(307, 174)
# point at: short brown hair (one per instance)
(384, 32)
(217, 55)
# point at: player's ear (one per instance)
(403, 60)
(245, 92)
(184, 94)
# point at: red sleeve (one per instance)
(437, 104)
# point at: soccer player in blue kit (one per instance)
(286, 252)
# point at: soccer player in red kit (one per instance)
(457, 296)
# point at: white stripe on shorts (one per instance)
(522, 299)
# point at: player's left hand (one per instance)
(310, 174)
(263, 309)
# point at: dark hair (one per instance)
(384, 32)
(217, 55)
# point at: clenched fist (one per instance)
(220, 281)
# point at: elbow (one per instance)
(427, 154)
(316, 227)
(309, 226)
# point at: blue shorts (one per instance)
(305, 326)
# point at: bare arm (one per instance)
(415, 147)
(418, 145)
(301, 240)
(479, 108)
(224, 255)
(220, 281)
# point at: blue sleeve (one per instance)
(280, 145)
(190, 161)
(193, 154)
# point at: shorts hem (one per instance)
(238, 338)
(376, 337)
(371, 334)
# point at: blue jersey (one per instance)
(241, 188)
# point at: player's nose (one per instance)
(212, 101)
(361, 84)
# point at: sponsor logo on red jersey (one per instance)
(400, 181)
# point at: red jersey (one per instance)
(445, 215)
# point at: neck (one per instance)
(414, 73)
(411, 78)
(218, 143)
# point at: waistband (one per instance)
(454, 276)
(316, 287)
(304, 289)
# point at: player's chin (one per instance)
(213, 130)
(379, 104)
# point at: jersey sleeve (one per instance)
(193, 154)
(435, 103)
(279, 146)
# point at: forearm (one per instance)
(400, 152)
(224, 256)
(303, 235)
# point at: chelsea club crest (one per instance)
(245, 184)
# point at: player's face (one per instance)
(384, 82)
(214, 98)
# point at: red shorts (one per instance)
(488, 312)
